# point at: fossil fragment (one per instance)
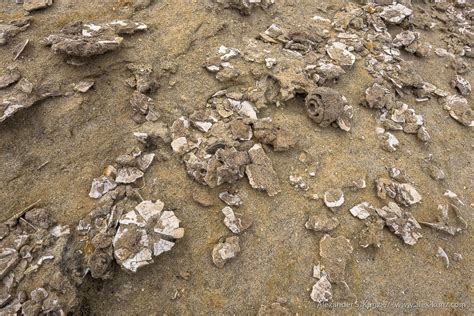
(463, 86)
(395, 13)
(236, 222)
(322, 290)
(230, 199)
(321, 223)
(101, 186)
(326, 106)
(260, 172)
(334, 198)
(143, 233)
(83, 86)
(128, 175)
(362, 210)
(447, 225)
(89, 39)
(403, 193)
(142, 78)
(401, 223)
(225, 251)
(459, 109)
(339, 53)
(389, 142)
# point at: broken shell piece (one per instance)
(389, 142)
(128, 175)
(225, 251)
(179, 145)
(143, 233)
(322, 290)
(83, 86)
(260, 172)
(447, 225)
(230, 199)
(326, 106)
(101, 186)
(142, 80)
(463, 86)
(401, 223)
(335, 252)
(321, 223)
(395, 13)
(339, 53)
(236, 222)
(442, 254)
(89, 39)
(403, 193)
(459, 109)
(334, 198)
(362, 210)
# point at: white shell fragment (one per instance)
(322, 290)
(128, 175)
(362, 210)
(236, 222)
(334, 198)
(230, 199)
(101, 186)
(339, 53)
(389, 142)
(401, 223)
(145, 232)
(395, 13)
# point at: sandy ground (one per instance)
(79, 135)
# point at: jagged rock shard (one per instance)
(326, 106)
(260, 172)
(236, 222)
(335, 252)
(225, 251)
(401, 223)
(322, 223)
